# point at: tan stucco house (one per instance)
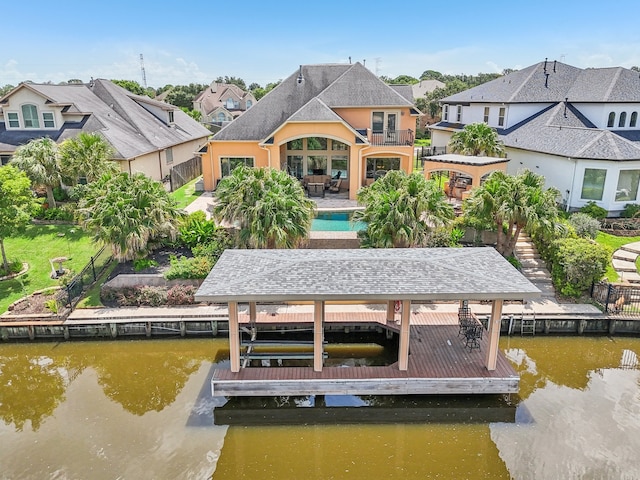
(331, 120)
(147, 136)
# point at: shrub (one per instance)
(60, 194)
(630, 210)
(144, 263)
(578, 263)
(152, 296)
(584, 225)
(183, 267)
(14, 267)
(593, 210)
(515, 262)
(197, 230)
(181, 295)
(63, 213)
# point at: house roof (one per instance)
(480, 273)
(117, 114)
(555, 83)
(334, 85)
(458, 159)
(426, 86)
(215, 96)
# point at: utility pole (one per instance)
(144, 75)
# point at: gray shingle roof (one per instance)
(315, 110)
(371, 274)
(336, 85)
(117, 114)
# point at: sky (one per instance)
(197, 41)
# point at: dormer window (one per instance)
(623, 119)
(459, 114)
(634, 119)
(445, 113)
(221, 117)
(171, 119)
(612, 119)
(30, 116)
(501, 114)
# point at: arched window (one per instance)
(30, 116)
(612, 119)
(634, 119)
(221, 117)
(623, 119)
(249, 104)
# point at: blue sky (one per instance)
(197, 41)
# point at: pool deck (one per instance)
(439, 363)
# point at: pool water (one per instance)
(336, 222)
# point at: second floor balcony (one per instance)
(391, 137)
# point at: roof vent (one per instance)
(546, 80)
(300, 77)
(554, 66)
(566, 100)
(545, 65)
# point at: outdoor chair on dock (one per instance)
(472, 335)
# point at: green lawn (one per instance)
(613, 242)
(37, 246)
(186, 194)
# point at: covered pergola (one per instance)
(474, 167)
(365, 275)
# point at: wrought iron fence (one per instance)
(87, 276)
(616, 298)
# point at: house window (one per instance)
(221, 117)
(501, 113)
(593, 183)
(227, 164)
(47, 120)
(30, 116)
(486, 115)
(249, 104)
(4, 159)
(459, 113)
(317, 165)
(169, 155)
(445, 113)
(378, 166)
(612, 119)
(171, 118)
(377, 122)
(14, 121)
(634, 119)
(336, 145)
(623, 119)
(229, 103)
(340, 166)
(627, 189)
(316, 143)
(295, 144)
(295, 166)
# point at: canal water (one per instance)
(142, 410)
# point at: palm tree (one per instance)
(267, 206)
(86, 155)
(513, 203)
(39, 160)
(402, 211)
(126, 212)
(477, 139)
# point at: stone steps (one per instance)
(533, 267)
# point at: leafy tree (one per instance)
(402, 211)
(16, 202)
(477, 139)
(261, 92)
(127, 212)
(86, 155)
(512, 203)
(267, 206)
(195, 114)
(254, 85)
(39, 160)
(584, 225)
(180, 98)
(131, 85)
(432, 75)
(232, 81)
(404, 80)
(6, 89)
(578, 263)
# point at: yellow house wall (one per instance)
(361, 117)
(211, 160)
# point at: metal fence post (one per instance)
(606, 302)
(93, 269)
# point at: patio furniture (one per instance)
(471, 335)
(316, 188)
(335, 188)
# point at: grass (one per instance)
(422, 142)
(91, 298)
(613, 242)
(36, 246)
(186, 193)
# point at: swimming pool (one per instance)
(336, 222)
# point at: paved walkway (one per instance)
(624, 262)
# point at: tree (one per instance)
(195, 114)
(127, 212)
(477, 139)
(512, 203)
(88, 155)
(404, 80)
(39, 160)
(16, 201)
(6, 89)
(267, 206)
(131, 85)
(402, 211)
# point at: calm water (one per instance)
(142, 410)
(335, 222)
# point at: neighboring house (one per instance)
(420, 90)
(577, 127)
(147, 136)
(324, 120)
(221, 103)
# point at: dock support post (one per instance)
(391, 312)
(65, 332)
(214, 328)
(403, 351)
(547, 326)
(612, 326)
(183, 329)
(494, 334)
(4, 333)
(581, 326)
(318, 335)
(147, 329)
(113, 329)
(234, 337)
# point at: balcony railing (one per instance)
(391, 137)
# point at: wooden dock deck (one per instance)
(439, 363)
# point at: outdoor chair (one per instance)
(471, 335)
(335, 188)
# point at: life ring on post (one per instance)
(397, 307)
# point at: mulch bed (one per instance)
(161, 256)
